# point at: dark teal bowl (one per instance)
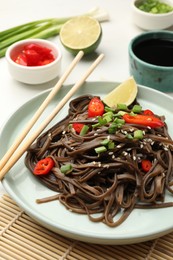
(151, 60)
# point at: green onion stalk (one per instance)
(42, 29)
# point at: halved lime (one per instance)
(81, 33)
(125, 93)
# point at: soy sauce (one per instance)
(155, 51)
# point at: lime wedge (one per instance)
(125, 93)
(81, 33)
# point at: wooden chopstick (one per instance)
(16, 156)
(38, 113)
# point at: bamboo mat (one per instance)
(22, 238)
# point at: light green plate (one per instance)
(24, 188)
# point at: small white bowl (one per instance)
(149, 21)
(34, 74)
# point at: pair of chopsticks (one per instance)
(15, 152)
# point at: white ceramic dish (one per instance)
(34, 74)
(24, 188)
(149, 21)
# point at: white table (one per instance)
(116, 36)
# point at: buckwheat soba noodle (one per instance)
(105, 173)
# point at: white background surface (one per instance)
(117, 33)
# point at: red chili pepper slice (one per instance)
(21, 59)
(32, 57)
(44, 166)
(95, 107)
(77, 127)
(145, 120)
(146, 165)
(148, 112)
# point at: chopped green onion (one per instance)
(136, 109)
(154, 10)
(119, 121)
(84, 130)
(67, 168)
(119, 125)
(108, 118)
(70, 126)
(100, 149)
(132, 113)
(122, 107)
(121, 113)
(96, 125)
(154, 6)
(109, 109)
(111, 145)
(109, 113)
(105, 142)
(138, 134)
(113, 128)
(129, 136)
(101, 120)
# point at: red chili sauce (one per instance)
(34, 55)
